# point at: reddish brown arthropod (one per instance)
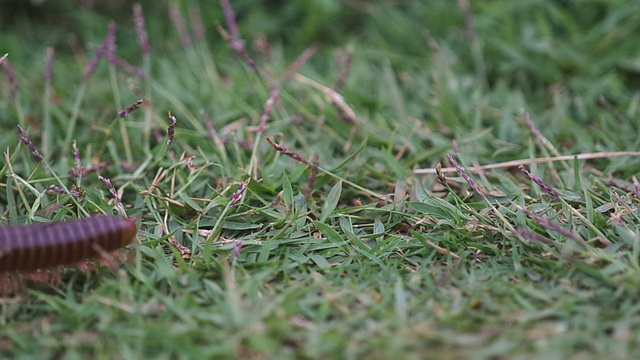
(25, 248)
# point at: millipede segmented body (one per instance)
(40, 246)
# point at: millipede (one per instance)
(31, 247)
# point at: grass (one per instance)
(339, 246)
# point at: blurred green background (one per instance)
(585, 42)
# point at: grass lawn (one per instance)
(344, 179)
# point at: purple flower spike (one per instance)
(533, 237)
(299, 62)
(115, 195)
(465, 176)
(238, 194)
(106, 49)
(170, 128)
(93, 64)
(126, 111)
(236, 250)
(532, 126)
(273, 97)
(233, 36)
(25, 139)
(178, 23)
(11, 76)
(210, 128)
(77, 162)
(55, 189)
(539, 181)
(141, 31)
(133, 70)
(289, 153)
(550, 225)
(110, 44)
